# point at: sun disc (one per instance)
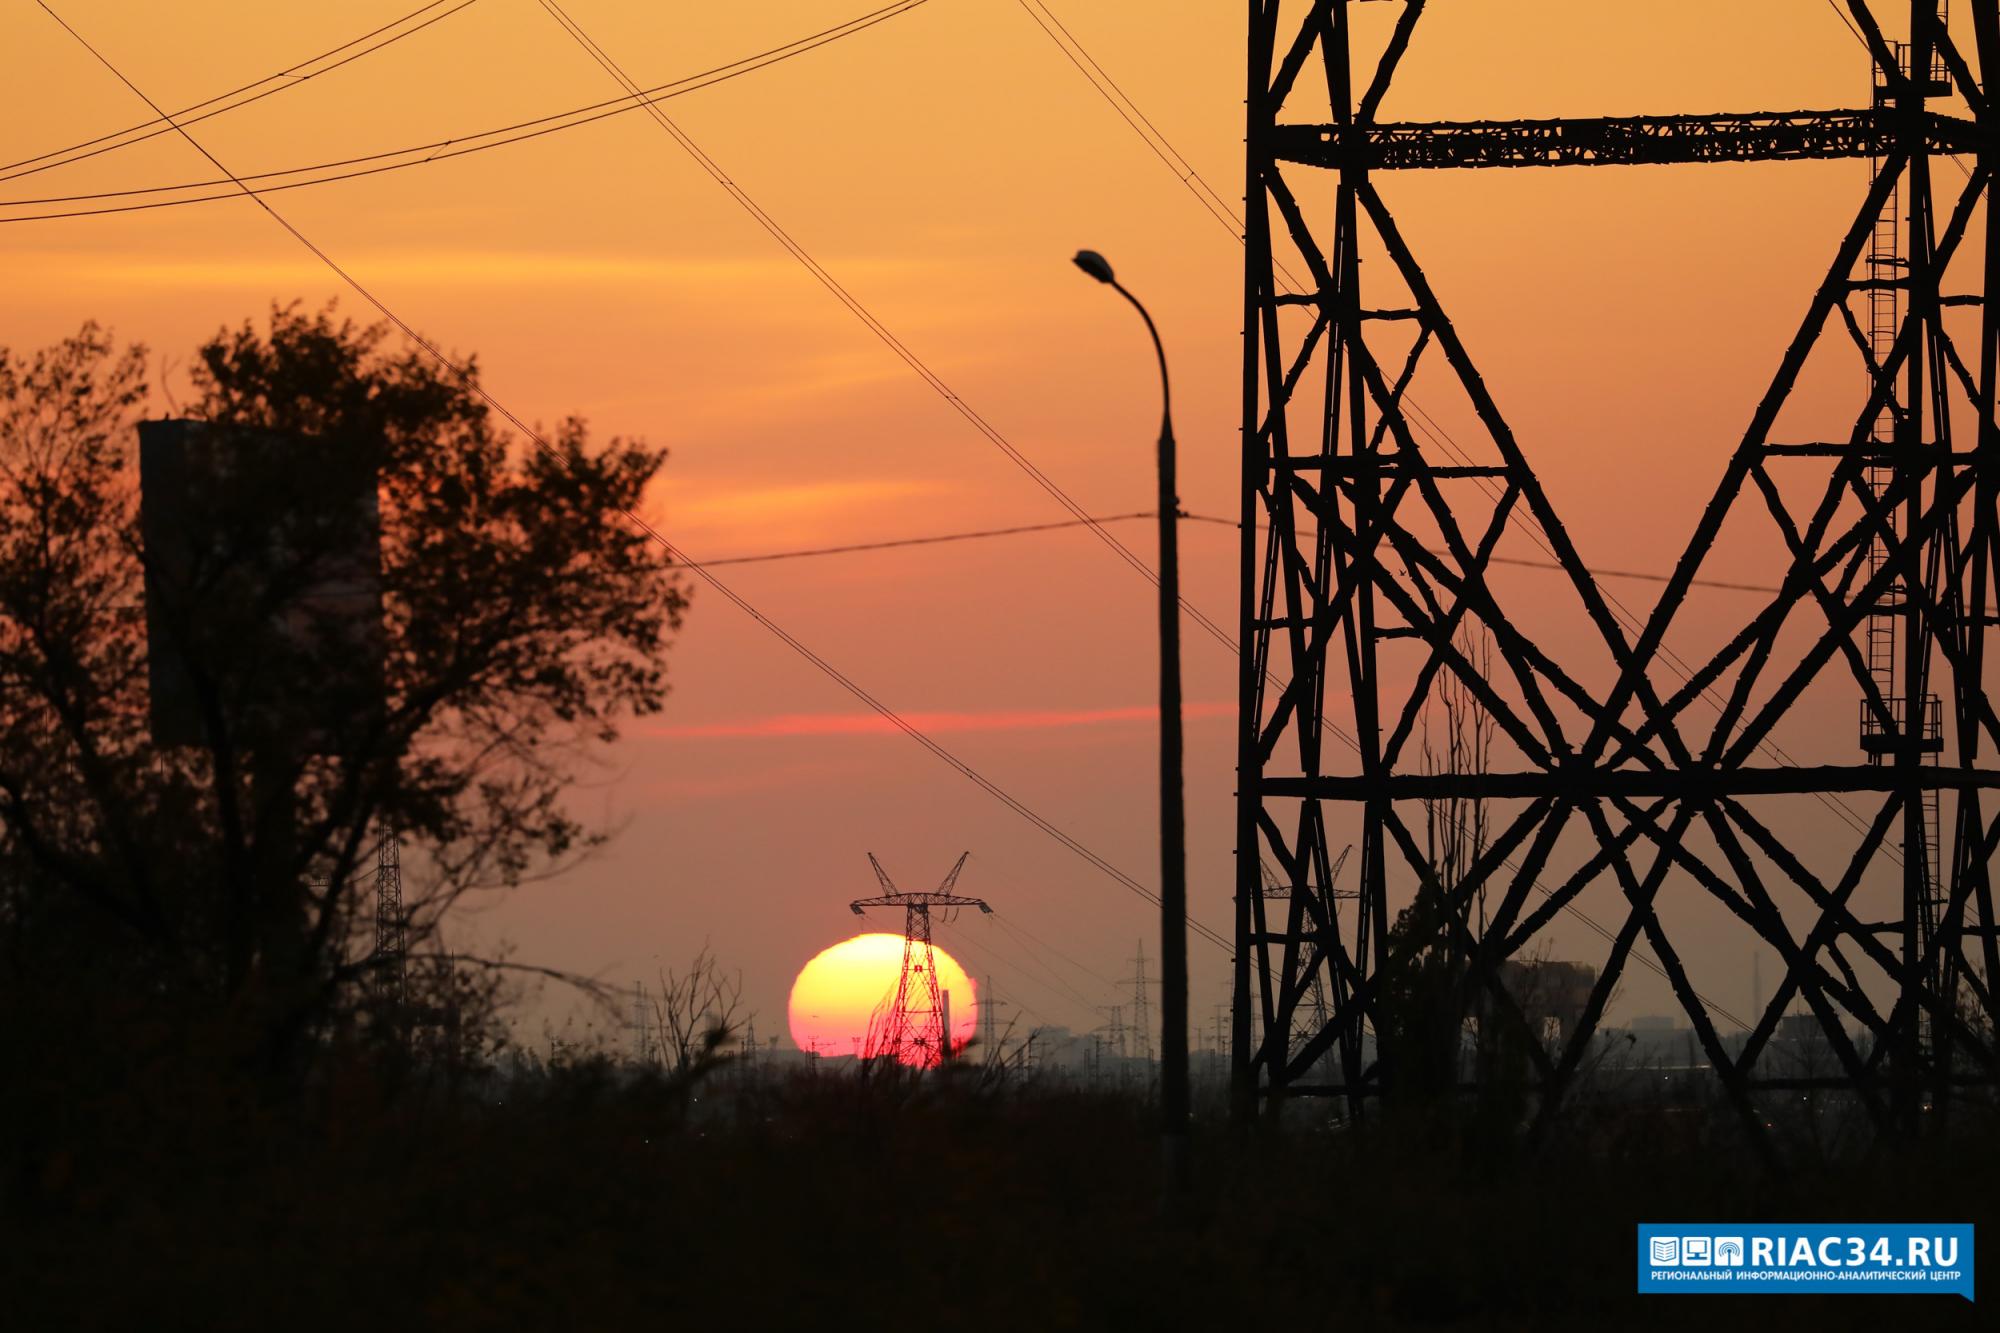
(840, 989)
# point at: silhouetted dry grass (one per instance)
(584, 1195)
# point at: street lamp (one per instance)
(1173, 819)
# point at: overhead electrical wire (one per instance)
(875, 326)
(652, 533)
(1085, 63)
(461, 145)
(1024, 529)
(1040, 972)
(1031, 941)
(1860, 37)
(958, 939)
(899, 543)
(642, 99)
(1190, 177)
(902, 351)
(1841, 14)
(960, 943)
(1632, 624)
(283, 81)
(1421, 419)
(1114, 96)
(437, 150)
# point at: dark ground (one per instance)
(582, 1198)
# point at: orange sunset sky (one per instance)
(944, 165)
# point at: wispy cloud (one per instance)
(769, 504)
(462, 268)
(870, 724)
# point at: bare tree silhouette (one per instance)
(692, 1014)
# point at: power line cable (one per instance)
(1632, 624)
(1626, 617)
(1168, 154)
(1053, 982)
(637, 100)
(986, 961)
(647, 529)
(443, 150)
(937, 540)
(140, 133)
(1129, 112)
(1031, 941)
(1191, 178)
(961, 942)
(1841, 14)
(875, 325)
(462, 145)
(1848, 22)
(1142, 125)
(983, 534)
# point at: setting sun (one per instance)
(841, 988)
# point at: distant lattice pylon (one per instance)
(391, 926)
(912, 1025)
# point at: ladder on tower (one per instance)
(1886, 279)
(1889, 613)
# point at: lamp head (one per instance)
(1093, 263)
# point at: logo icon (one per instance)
(1666, 1251)
(1729, 1251)
(1695, 1252)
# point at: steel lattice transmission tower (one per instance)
(913, 1025)
(1142, 1017)
(1369, 540)
(1306, 980)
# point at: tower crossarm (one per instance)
(1758, 136)
(1696, 784)
(940, 897)
(934, 899)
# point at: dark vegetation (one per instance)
(421, 664)
(581, 1194)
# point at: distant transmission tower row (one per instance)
(391, 926)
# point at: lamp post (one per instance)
(1173, 820)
